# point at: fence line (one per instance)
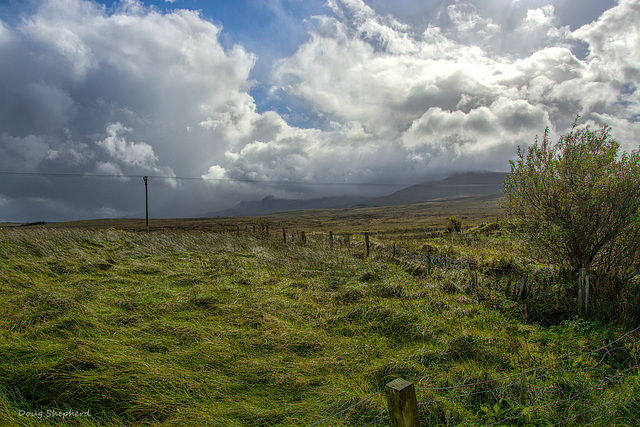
(600, 384)
(526, 411)
(570, 398)
(571, 359)
(346, 409)
(449, 261)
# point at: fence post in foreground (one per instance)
(402, 403)
(331, 239)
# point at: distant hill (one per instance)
(486, 184)
(270, 205)
(463, 184)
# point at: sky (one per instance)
(224, 101)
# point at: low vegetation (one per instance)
(123, 328)
(578, 204)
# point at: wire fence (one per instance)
(366, 399)
(610, 372)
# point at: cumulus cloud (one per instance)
(131, 153)
(615, 38)
(455, 96)
(86, 90)
(369, 97)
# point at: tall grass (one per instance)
(196, 328)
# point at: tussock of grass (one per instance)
(195, 328)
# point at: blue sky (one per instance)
(228, 100)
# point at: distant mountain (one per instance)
(462, 184)
(270, 205)
(467, 184)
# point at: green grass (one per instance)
(199, 328)
(472, 210)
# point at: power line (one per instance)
(191, 178)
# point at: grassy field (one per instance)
(432, 214)
(192, 327)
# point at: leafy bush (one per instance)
(454, 224)
(578, 203)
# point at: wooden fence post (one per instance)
(366, 241)
(303, 237)
(586, 293)
(522, 290)
(402, 403)
(284, 235)
(583, 291)
(331, 239)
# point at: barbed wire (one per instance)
(607, 413)
(346, 409)
(376, 421)
(529, 371)
(569, 399)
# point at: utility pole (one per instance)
(146, 202)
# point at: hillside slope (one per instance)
(467, 184)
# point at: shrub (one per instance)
(578, 203)
(454, 224)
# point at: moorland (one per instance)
(225, 322)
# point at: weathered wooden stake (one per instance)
(366, 241)
(580, 293)
(394, 249)
(474, 278)
(284, 235)
(303, 237)
(583, 291)
(523, 287)
(331, 239)
(402, 404)
(586, 293)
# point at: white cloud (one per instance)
(215, 172)
(457, 98)
(71, 70)
(131, 153)
(137, 91)
(615, 38)
(110, 168)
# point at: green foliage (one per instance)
(454, 224)
(578, 203)
(260, 225)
